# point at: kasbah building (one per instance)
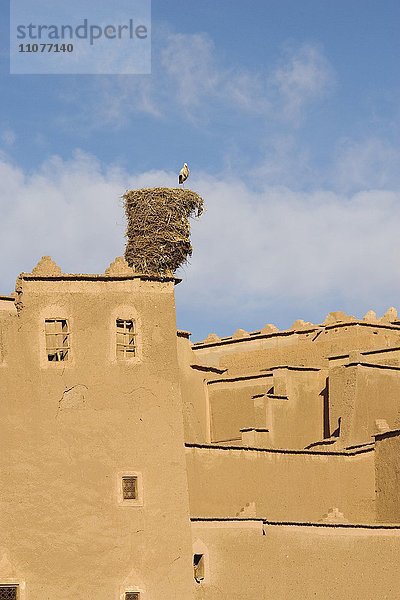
(136, 465)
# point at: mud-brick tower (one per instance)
(93, 488)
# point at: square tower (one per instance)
(93, 487)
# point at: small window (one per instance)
(57, 340)
(129, 488)
(8, 592)
(132, 595)
(126, 345)
(198, 567)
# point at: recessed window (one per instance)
(129, 488)
(198, 567)
(132, 595)
(126, 344)
(57, 340)
(8, 592)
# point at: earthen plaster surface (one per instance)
(271, 455)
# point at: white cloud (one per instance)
(285, 162)
(186, 79)
(190, 81)
(199, 80)
(253, 250)
(8, 137)
(121, 96)
(300, 245)
(190, 66)
(303, 76)
(367, 163)
(110, 102)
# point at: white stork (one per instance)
(184, 174)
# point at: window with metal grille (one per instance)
(57, 340)
(126, 345)
(8, 592)
(132, 596)
(129, 488)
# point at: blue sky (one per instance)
(288, 114)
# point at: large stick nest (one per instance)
(158, 229)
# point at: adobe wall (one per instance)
(232, 405)
(360, 394)
(283, 485)
(69, 429)
(251, 560)
(287, 401)
(193, 385)
(295, 413)
(299, 409)
(379, 356)
(304, 347)
(385, 356)
(387, 469)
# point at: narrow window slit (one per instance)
(198, 567)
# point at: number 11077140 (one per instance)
(35, 48)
